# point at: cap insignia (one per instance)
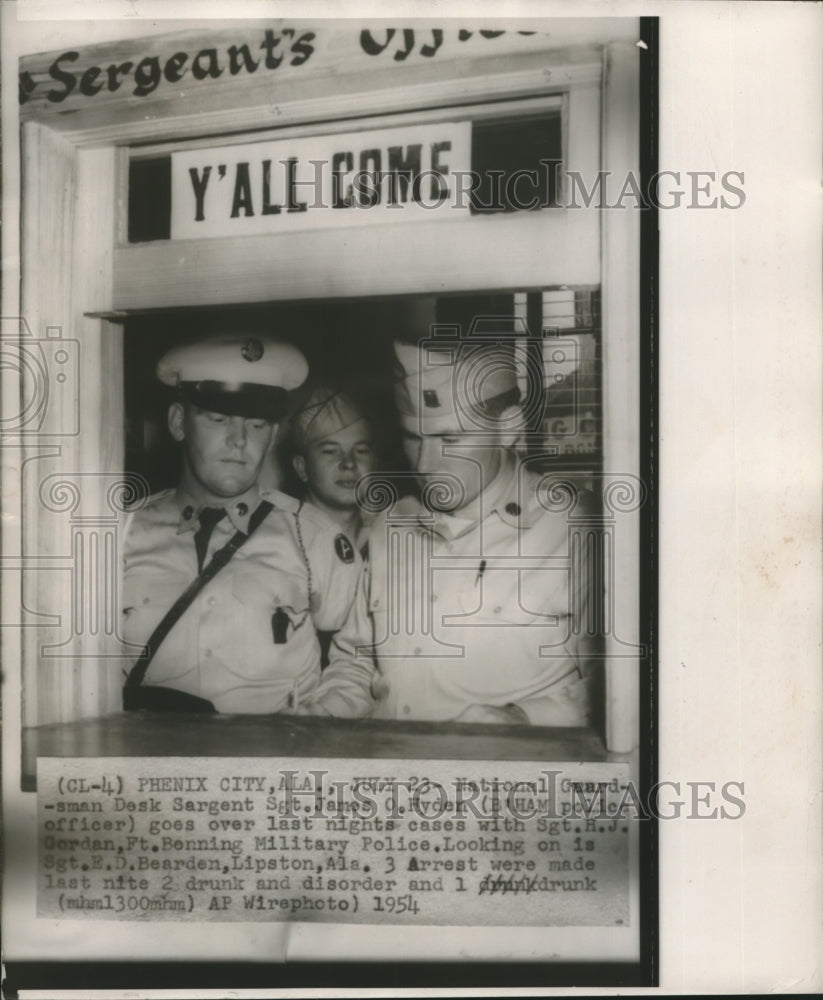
(252, 350)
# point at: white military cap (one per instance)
(444, 388)
(324, 412)
(243, 374)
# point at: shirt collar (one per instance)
(239, 509)
(502, 497)
(508, 496)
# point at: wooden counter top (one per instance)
(146, 734)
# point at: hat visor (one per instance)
(245, 399)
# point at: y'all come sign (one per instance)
(384, 175)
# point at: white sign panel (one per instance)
(385, 175)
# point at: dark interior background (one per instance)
(348, 345)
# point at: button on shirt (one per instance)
(248, 643)
(480, 608)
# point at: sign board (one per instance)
(258, 57)
(384, 175)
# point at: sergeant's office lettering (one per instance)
(145, 76)
(400, 44)
(133, 72)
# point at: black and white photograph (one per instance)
(351, 417)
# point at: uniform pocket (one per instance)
(264, 610)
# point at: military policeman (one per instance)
(476, 601)
(226, 586)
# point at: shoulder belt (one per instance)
(220, 559)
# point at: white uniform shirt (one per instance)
(456, 611)
(249, 641)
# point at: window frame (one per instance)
(74, 199)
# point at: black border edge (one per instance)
(649, 465)
(41, 975)
(317, 975)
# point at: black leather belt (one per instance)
(162, 699)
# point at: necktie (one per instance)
(209, 517)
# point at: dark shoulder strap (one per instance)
(220, 559)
